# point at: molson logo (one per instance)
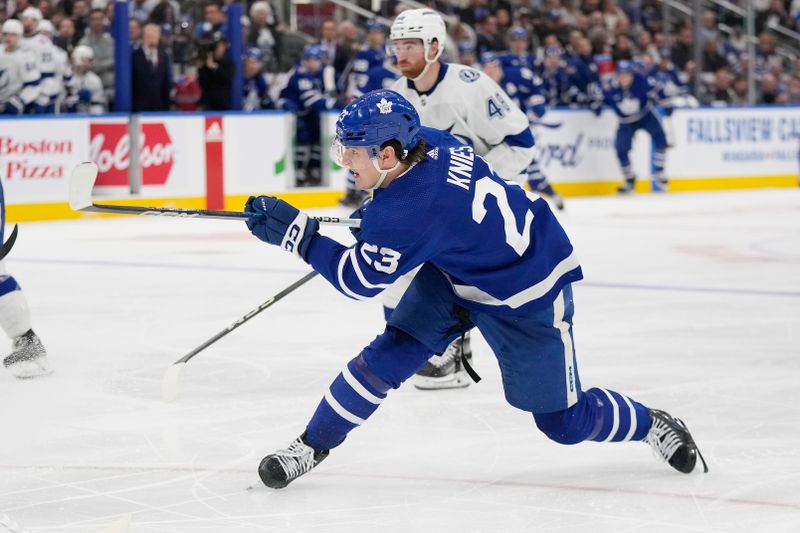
(109, 148)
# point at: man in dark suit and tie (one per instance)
(152, 73)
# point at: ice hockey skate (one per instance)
(660, 183)
(284, 466)
(671, 442)
(446, 371)
(29, 358)
(627, 187)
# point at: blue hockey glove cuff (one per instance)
(278, 222)
(14, 106)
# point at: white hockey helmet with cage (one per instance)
(425, 24)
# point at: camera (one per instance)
(207, 43)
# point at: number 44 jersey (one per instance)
(501, 247)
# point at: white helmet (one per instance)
(45, 26)
(425, 24)
(12, 26)
(81, 54)
(32, 12)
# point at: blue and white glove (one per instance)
(359, 213)
(14, 106)
(278, 222)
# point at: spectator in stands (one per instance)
(740, 91)
(708, 26)
(623, 49)
(66, 39)
(682, 49)
(216, 73)
(612, 14)
(152, 73)
(770, 91)
(166, 13)
(101, 43)
(774, 15)
(213, 19)
(346, 47)
(713, 60)
(488, 38)
(327, 39)
(135, 32)
(80, 17)
(466, 55)
(793, 90)
(140, 10)
(720, 91)
(262, 33)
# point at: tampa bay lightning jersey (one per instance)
(19, 76)
(473, 108)
(633, 103)
(501, 247)
(525, 88)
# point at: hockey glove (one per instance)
(279, 223)
(14, 106)
(359, 213)
(85, 96)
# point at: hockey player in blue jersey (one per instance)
(305, 95)
(527, 90)
(554, 77)
(371, 55)
(519, 55)
(255, 90)
(492, 256)
(633, 96)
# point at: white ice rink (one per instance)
(691, 304)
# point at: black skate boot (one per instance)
(671, 442)
(446, 371)
(29, 358)
(284, 466)
(627, 187)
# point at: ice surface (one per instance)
(691, 304)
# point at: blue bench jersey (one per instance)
(633, 103)
(501, 247)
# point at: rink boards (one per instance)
(216, 161)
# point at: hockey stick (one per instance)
(80, 199)
(9, 243)
(169, 385)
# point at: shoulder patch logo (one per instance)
(468, 75)
(384, 106)
(434, 154)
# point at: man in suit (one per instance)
(152, 73)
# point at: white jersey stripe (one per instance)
(562, 326)
(342, 284)
(615, 415)
(359, 388)
(537, 290)
(354, 261)
(341, 411)
(632, 411)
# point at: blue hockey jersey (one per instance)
(501, 247)
(304, 93)
(510, 59)
(357, 71)
(632, 104)
(525, 88)
(255, 92)
(380, 77)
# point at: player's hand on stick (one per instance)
(278, 222)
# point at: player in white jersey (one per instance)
(42, 49)
(19, 78)
(86, 93)
(62, 72)
(474, 109)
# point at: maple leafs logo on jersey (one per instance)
(384, 106)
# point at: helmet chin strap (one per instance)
(383, 173)
(428, 63)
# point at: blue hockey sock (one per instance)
(600, 415)
(8, 284)
(352, 397)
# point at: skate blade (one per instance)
(31, 369)
(458, 380)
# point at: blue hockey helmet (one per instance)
(466, 47)
(518, 32)
(625, 66)
(374, 119)
(314, 51)
(489, 57)
(374, 25)
(254, 53)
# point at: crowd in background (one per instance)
(181, 58)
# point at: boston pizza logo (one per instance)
(109, 148)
